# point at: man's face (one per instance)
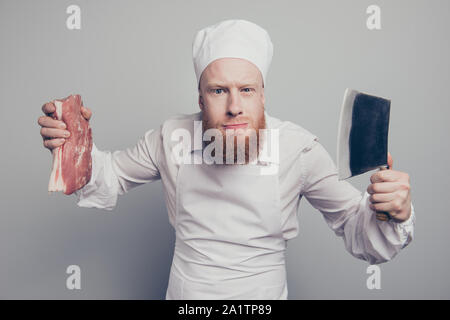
(231, 97)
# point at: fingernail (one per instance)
(62, 140)
(67, 133)
(62, 125)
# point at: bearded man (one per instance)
(232, 219)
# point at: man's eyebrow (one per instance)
(245, 84)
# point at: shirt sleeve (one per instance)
(347, 211)
(115, 173)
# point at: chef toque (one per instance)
(232, 39)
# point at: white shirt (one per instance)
(305, 169)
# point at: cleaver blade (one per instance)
(362, 134)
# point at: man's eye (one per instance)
(218, 91)
(247, 89)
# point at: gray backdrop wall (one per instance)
(131, 62)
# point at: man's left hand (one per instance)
(390, 192)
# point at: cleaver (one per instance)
(362, 135)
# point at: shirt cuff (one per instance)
(406, 228)
(410, 221)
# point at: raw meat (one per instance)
(72, 163)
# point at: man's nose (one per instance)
(234, 107)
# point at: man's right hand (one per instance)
(53, 131)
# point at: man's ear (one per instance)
(263, 98)
(200, 101)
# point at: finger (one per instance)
(390, 206)
(381, 197)
(54, 133)
(382, 187)
(390, 161)
(48, 108)
(384, 175)
(49, 122)
(86, 112)
(53, 143)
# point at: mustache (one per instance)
(257, 124)
(236, 122)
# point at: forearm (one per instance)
(347, 212)
(116, 173)
(375, 241)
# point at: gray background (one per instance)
(131, 62)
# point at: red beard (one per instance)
(239, 148)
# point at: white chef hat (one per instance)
(232, 39)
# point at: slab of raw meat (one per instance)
(72, 163)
